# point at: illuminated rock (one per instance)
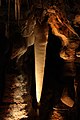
(36, 31)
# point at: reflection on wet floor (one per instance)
(64, 113)
(17, 100)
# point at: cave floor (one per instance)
(17, 103)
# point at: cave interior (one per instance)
(39, 59)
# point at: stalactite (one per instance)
(16, 9)
(0, 2)
(8, 10)
(8, 21)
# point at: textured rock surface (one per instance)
(17, 100)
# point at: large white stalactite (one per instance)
(40, 54)
(37, 34)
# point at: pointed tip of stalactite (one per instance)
(38, 104)
(38, 99)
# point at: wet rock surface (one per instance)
(17, 100)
